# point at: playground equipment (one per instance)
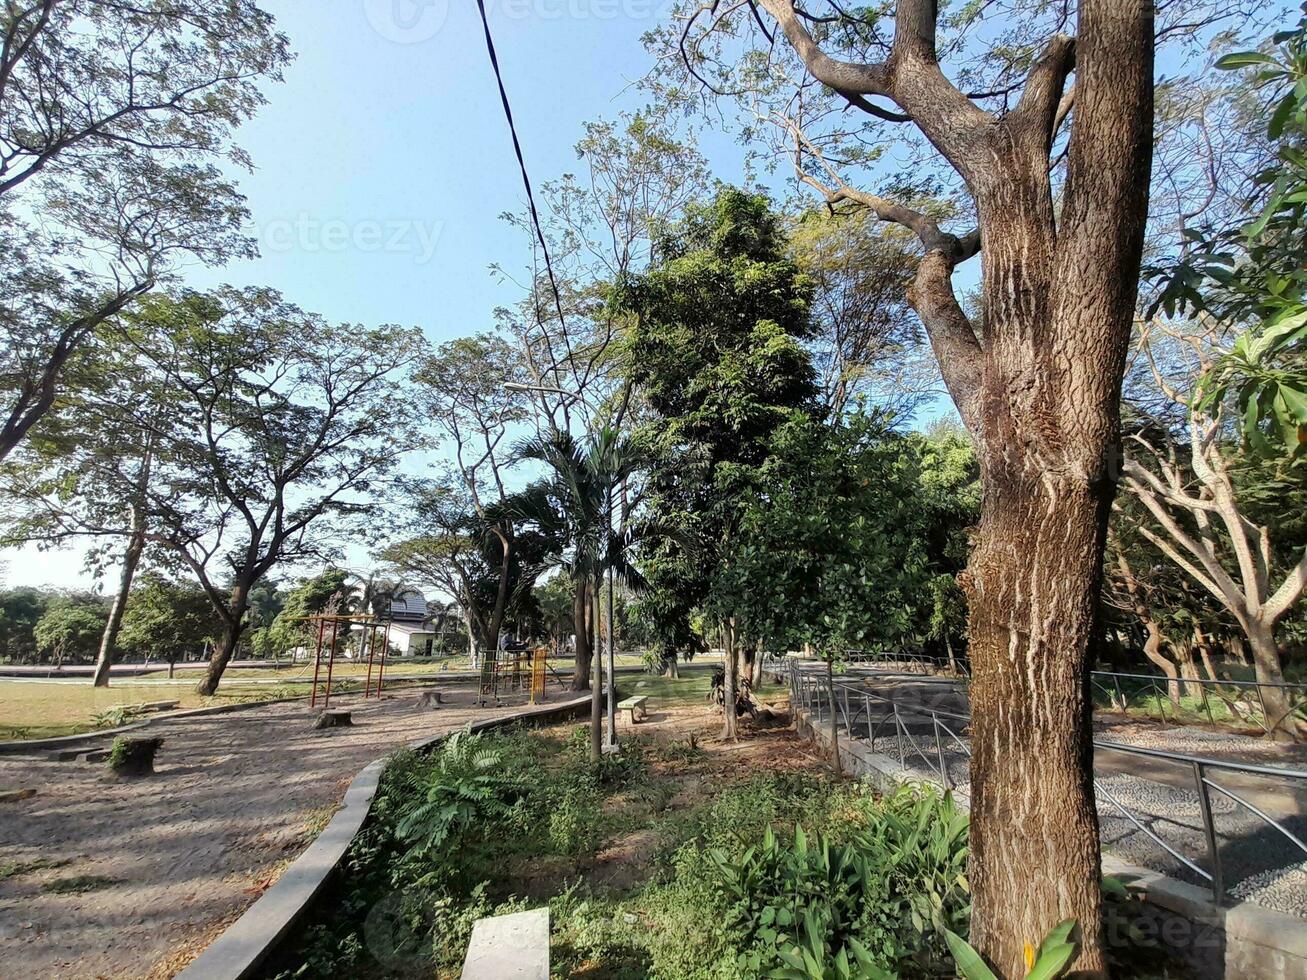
(513, 669)
(370, 627)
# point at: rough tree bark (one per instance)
(581, 633)
(1039, 392)
(233, 625)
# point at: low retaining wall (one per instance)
(1235, 943)
(239, 951)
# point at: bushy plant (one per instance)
(885, 897)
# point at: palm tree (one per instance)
(573, 503)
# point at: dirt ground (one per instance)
(108, 878)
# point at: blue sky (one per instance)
(382, 162)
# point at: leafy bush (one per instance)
(467, 787)
(886, 897)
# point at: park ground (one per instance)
(101, 877)
(32, 707)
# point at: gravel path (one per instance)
(108, 878)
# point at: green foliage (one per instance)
(1048, 962)
(165, 618)
(288, 628)
(882, 898)
(851, 539)
(1251, 279)
(70, 628)
(466, 788)
(717, 353)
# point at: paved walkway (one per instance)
(1259, 862)
(106, 878)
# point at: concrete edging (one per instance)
(1259, 941)
(247, 942)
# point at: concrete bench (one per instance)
(509, 947)
(632, 705)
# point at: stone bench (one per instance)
(632, 705)
(509, 947)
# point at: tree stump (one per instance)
(430, 699)
(132, 757)
(333, 719)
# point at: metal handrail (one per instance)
(808, 686)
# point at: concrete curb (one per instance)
(247, 942)
(1259, 942)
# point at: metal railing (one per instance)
(811, 690)
(1243, 701)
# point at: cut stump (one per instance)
(431, 699)
(333, 719)
(132, 757)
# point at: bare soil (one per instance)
(102, 877)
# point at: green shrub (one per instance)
(469, 787)
(887, 896)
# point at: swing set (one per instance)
(372, 629)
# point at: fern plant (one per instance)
(468, 786)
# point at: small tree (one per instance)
(1186, 482)
(69, 628)
(167, 619)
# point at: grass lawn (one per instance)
(36, 710)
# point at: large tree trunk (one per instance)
(581, 633)
(1059, 299)
(1279, 720)
(1035, 850)
(233, 627)
(109, 639)
(731, 664)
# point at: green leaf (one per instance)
(969, 963)
(1244, 59)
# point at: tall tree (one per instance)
(1187, 481)
(1037, 385)
(717, 354)
(112, 119)
(574, 505)
(288, 420)
(466, 388)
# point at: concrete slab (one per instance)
(509, 947)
